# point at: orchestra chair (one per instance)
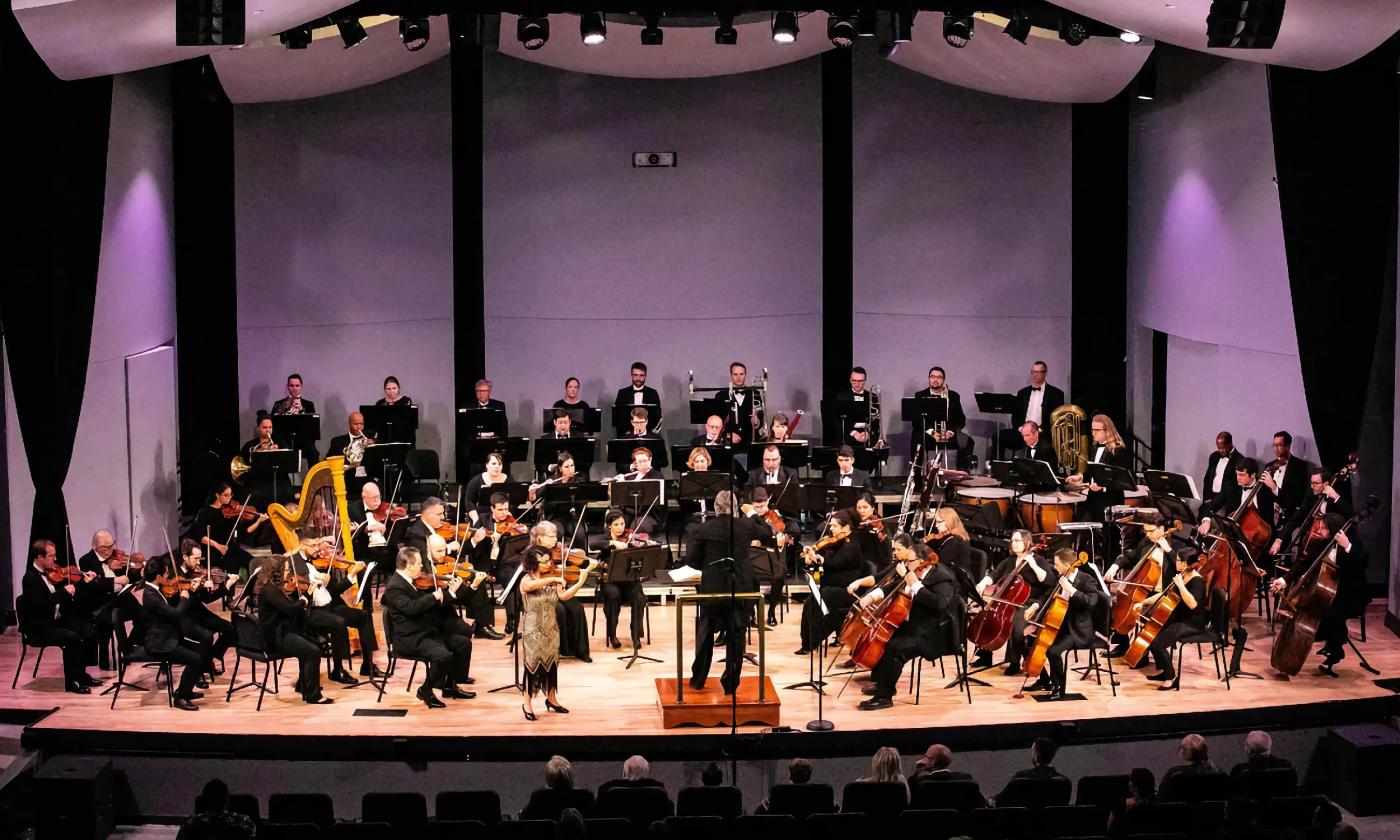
(801, 801)
(1288, 812)
(289, 831)
(929, 824)
(1209, 818)
(424, 476)
(406, 812)
(549, 803)
(694, 827)
(394, 657)
(763, 827)
(1263, 785)
(1000, 824)
(1074, 821)
(483, 806)
(880, 800)
(523, 830)
(1195, 787)
(958, 795)
(129, 654)
(725, 802)
(454, 829)
(1103, 616)
(245, 804)
(364, 831)
(640, 806)
(314, 808)
(916, 673)
(1105, 791)
(1215, 634)
(841, 826)
(1036, 794)
(25, 643)
(249, 645)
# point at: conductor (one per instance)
(720, 548)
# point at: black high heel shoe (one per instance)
(555, 708)
(528, 715)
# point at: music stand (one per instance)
(991, 402)
(785, 499)
(381, 456)
(619, 451)
(1172, 507)
(622, 416)
(583, 450)
(1170, 483)
(703, 485)
(922, 413)
(634, 565)
(1033, 473)
(1110, 477)
(701, 410)
(269, 463)
(300, 430)
(575, 494)
(795, 455)
(639, 495)
(826, 499)
(824, 458)
(391, 423)
(475, 423)
(841, 417)
(1002, 472)
(721, 457)
(513, 450)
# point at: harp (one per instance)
(320, 510)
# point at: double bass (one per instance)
(1301, 609)
(1131, 588)
(871, 625)
(1305, 538)
(1223, 567)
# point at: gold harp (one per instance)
(1067, 434)
(320, 511)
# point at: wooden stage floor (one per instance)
(615, 710)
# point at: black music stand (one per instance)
(826, 499)
(577, 494)
(786, 499)
(1033, 474)
(1172, 507)
(391, 423)
(622, 416)
(583, 450)
(300, 430)
(824, 458)
(270, 463)
(721, 457)
(701, 410)
(841, 417)
(475, 423)
(991, 402)
(1110, 477)
(634, 565)
(512, 449)
(1161, 482)
(619, 451)
(795, 455)
(380, 457)
(922, 413)
(639, 495)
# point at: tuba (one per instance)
(238, 467)
(1067, 435)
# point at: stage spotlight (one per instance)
(1073, 30)
(351, 31)
(1147, 81)
(725, 33)
(1018, 27)
(784, 27)
(957, 30)
(414, 33)
(841, 29)
(1128, 36)
(532, 33)
(902, 26)
(593, 28)
(296, 38)
(866, 22)
(652, 35)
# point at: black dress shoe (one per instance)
(191, 695)
(185, 705)
(1042, 684)
(983, 660)
(1013, 671)
(1165, 676)
(201, 683)
(488, 633)
(430, 699)
(318, 699)
(510, 628)
(77, 688)
(870, 690)
(583, 657)
(1118, 652)
(615, 643)
(875, 704)
(802, 652)
(372, 671)
(698, 685)
(553, 707)
(772, 621)
(455, 693)
(467, 681)
(343, 677)
(90, 682)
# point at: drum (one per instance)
(1042, 513)
(977, 481)
(1136, 498)
(997, 497)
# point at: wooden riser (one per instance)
(710, 706)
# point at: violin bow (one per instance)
(237, 519)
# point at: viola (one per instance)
(245, 513)
(876, 527)
(386, 512)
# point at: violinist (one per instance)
(1322, 500)
(839, 559)
(1351, 598)
(282, 609)
(950, 540)
(1189, 617)
(570, 398)
(1154, 548)
(724, 536)
(51, 616)
(210, 630)
(1036, 572)
(491, 552)
(479, 488)
(223, 525)
(463, 593)
(930, 630)
(109, 567)
(372, 520)
(430, 519)
(871, 534)
(542, 588)
(615, 592)
(159, 626)
(846, 474)
(327, 615)
(1077, 629)
(776, 532)
(415, 619)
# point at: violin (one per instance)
(510, 526)
(876, 527)
(571, 572)
(65, 574)
(770, 516)
(451, 533)
(245, 513)
(121, 559)
(828, 542)
(326, 558)
(172, 586)
(387, 512)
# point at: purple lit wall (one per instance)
(962, 237)
(1206, 262)
(128, 416)
(345, 250)
(592, 264)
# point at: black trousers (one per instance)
(901, 648)
(76, 641)
(1055, 658)
(448, 658)
(1016, 646)
(307, 653)
(203, 624)
(1168, 636)
(324, 621)
(816, 626)
(451, 626)
(613, 596)
(480, 607)
(362, 620)
(194, 663)
(713, 618)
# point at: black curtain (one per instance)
(55, 150)
(838, 223)
(1336, 144)
(468, 246)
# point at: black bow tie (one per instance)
(1035, 389)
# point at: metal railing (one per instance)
(681, 601)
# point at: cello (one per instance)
(1303, 607)
(1052, 616)
(1132, 588)
(990, 628)
(871, 625)
(1304, 539)
(1152, 624)
(1223, 567)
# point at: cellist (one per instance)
(1188, 618)
(1351, 597)
(1077, 628)
(929, 630)
(1036, 572)
(1154, 548)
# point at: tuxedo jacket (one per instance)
(956, 418)
(1053, 399)
(786, 475)
(933, 611)
(720, 537)
(859, 478)
(39, 603)
(1079, 619)
(1042, 451)
(1294, 488)
(650, 396)
(413, 612)
(1227, 480)
(1228, 501)
(159, 622)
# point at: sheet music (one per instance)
(816, 593)
(364, 578)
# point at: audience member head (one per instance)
(1258, 743)
(571, 825)
(558, 773)
(1043, 752)
(635, 769)
(1193, 749)
(1142, 785)
(799, 771)
(712, 775)
(213, 798)
(936, 757)
(1327, 817)
(884, 766)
